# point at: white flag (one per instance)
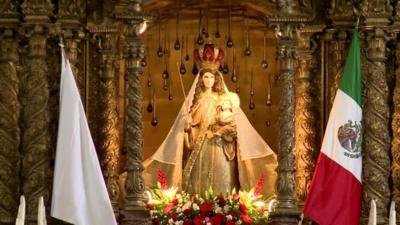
(80, 195)
(21, 212)
(392, 214)
(41, 212)
(372, 213)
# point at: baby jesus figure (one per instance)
(225, 125)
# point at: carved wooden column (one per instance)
(376, 162)
(36, 173)
(286, 211)
(9, 113)
(337, 50)
(307, 148)
(134, 211)
(9, 128)
(395, 168)
(396, 136)
(70, 15)
(109, 134)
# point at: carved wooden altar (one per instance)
(310, 40)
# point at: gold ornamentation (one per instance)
(337, 50)
(396, 135)
(135, 211)
(306, 124)
(35, 123)
(376, 162)
(286, 211)
(9, 129)
(108, 119)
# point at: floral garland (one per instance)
(168, 206)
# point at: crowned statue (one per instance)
(212, 143)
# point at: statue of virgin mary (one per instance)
(212, 143)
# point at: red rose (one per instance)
(245, 218)
(230, 222)
(235, 197)
(174, 201)
(168, 208)
(150, 206)
(243, 208)
(187, 222)
(155, 221)
(198, 220)
(217, 219)
(173, 216)
(221, 201)
(232, 213)
(188, 211)
(206, 207)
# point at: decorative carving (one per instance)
(396, 135)
(9, 129)
(341, 10)
(376, 162)
(72, 50)
(135, 212)
(306, 124)
(292, 7)
(9, 12)
(37, 11)
(286, 211)
(337, 49)
(71, 11)
(35, 122)
(373, 9)
(109, 134)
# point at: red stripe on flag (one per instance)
(335, 195)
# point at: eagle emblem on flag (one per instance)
(350, 136)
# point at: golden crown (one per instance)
(209, 57)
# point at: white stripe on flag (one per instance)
(344, 109)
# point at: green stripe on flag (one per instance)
(350, 83)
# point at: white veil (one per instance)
(250, 146)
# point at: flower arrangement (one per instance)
(168, 206)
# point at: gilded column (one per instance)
(34, 98)
(306, 117)
(70, 15)
(134, 210)
(9, 128)
(286, 211)
(72, 49)
(396, 136)
(109, 133)
(376, 162)
(337, 49)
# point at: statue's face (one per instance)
(208, 80)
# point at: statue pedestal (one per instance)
(135, 216)
(284, 217)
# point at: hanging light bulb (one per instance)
(177, 44)
(160, 52)
(154, 120)
(264, 63)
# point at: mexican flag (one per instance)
(335, 193)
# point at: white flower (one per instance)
(218, 209)
(195, 207)
(208, 223)
(179, 209)
(229, 217)
(178, 222)
(226, 208)
(186, 205)
(238, 222)
(171, 221)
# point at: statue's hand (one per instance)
(188, 122)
